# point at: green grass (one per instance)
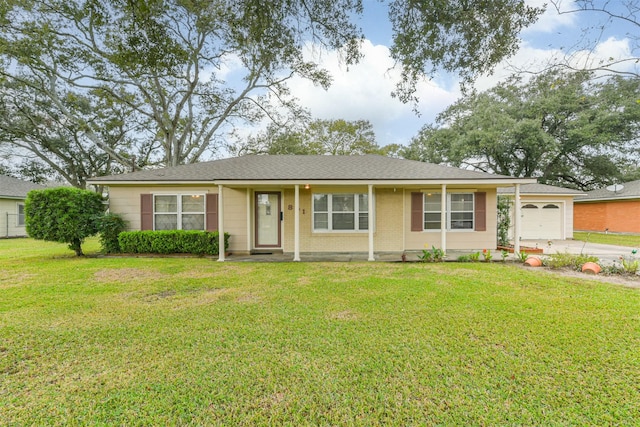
(630, 240)
(166, 341)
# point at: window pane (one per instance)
(432, 202)
(321, 221)
(166, 222)
(193, 222)
(20, 214)
(363, 202)
(462, 220)
(320, 202)
(166, 204)
(363, 223)
(343, 203)
(462, 202)
(432, 221)
(343, 221)
(193, 203)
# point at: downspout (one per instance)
(296, 224)
(220, 224)
(443, 218)
(370, 220)
(516, 221)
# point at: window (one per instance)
(20, 214)
(340, 212)
(178, 212)
(460, 211)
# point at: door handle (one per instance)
(281, 216)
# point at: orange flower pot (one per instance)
(591, 268)
(533, 261)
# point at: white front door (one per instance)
(268, 214)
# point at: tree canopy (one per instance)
(564, 128)
(97, 86)
(334, 137)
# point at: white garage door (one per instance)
(541, 221)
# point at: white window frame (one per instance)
(179, 212)
(330, 213)
(20, 216)
(449, 212)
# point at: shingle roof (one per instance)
(542, 189)
(297, 167)
(630, 190)
(13, 188)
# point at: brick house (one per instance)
(314, 204)
(614, 208)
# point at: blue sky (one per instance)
(363, 91)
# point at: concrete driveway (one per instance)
(606, 253)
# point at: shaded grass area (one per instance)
(176, 341)
(609, 239)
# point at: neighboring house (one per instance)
(13, 193)
(546, 211)
(615, 208)
(313, 204)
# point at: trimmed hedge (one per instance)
(171, 242)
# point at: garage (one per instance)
(542, 220)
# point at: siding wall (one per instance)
(387, 232)
(9, 219)
(462, 239)
(392, 219)
(126, 202)
(617, 216)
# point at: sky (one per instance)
(363, 91)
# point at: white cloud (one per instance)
(551, 20)
(363, 91)
(531, 60)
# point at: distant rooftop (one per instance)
(13, 188)
(627, 190)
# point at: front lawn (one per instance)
(631, 240)
(166, 341)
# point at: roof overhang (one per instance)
(607, 199)
(497, 182)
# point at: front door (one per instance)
(268, 220)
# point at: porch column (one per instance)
(516, 220)
(296, 224)
(370, 221)
(443, 218)
(220, 224)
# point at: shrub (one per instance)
(171, 242)
(565, 259)
(111, 225)
(432, 255)
(504, 219)
(64, 215)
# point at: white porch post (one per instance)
(370, 221)
(296, 224)
(443, 218)
(220, 224)
(516, 220)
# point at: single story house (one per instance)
(615, 208)
(13, 193)
(310, 204)
(546, 211)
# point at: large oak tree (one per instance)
(175, 77)
(564, 128)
